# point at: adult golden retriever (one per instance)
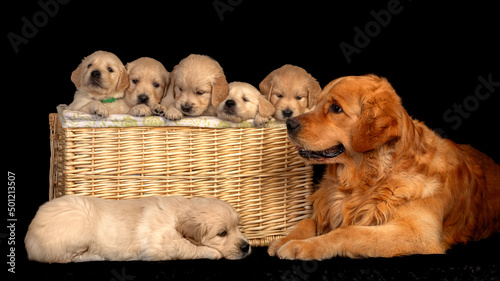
(393, 186)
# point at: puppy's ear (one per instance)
(377, 125)
(191, 226)
(266, 108)
(313, 91)
(123, 81)
(220, 90)
(167, 84)
(76, 75)
(266, 87)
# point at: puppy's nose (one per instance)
(142, 98)
(292, 125)
(95, 74)
(244, 247)
(230, 103)
(186, 107)
(287, 113)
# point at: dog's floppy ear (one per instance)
(266, 108)
(313, 91)
(191, 226)
(123, 81)
(167, 84)
(377, 125)
(220, 90)
(266, 87)
(76, 75)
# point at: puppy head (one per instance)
(244, 102)
(355, 114)
(101, 74)
(291, 90)
(214, 223)
(148, 82)
(198, 83)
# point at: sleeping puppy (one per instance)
(291, 90)
(100, 81)
(245, 102)
(148, 85)
(197, 86)
(79, 228)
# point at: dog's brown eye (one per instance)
(88, 66)
(156, 85)
(200, 93)
(245, 99)
(279, 95)
(135, 81)
(335, 108)
(298, 98)
(223, 233)
(110, 69)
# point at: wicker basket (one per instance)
(256, 170)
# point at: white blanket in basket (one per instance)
(77, 119)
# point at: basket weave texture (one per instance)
(256, 170)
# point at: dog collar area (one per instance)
(110, 100)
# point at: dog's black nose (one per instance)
(142, 98)
(230, 103)
(186, 107)
(292, 125)
(95, 74)
(244, 247)
(287, 113)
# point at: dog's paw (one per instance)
(275, 245)
(158, 110)
(259, 119)
(98, 108)
(300, 250)
(140, 110)
(173, 114)
(210, 253)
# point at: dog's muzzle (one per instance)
(331, 152)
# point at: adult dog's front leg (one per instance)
(388, 240)
(303, 230)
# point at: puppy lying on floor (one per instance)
(100, 80)
(197, 86)
(148, 85)
(392, 186)
(291, 90)
(245, 102)
(80, 228)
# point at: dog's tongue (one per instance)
(327, 153)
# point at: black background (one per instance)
(432, 53)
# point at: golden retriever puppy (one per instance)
(148, 85)
(291, 90)
(100, 80)
(392, 186)
(197, 86)
(245, 102)
(80, 228)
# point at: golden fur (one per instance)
(291, 90)
(392, 186)
(79, 228)
(148, 85)
(245, 102)
(197, 86)
(100, 76)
